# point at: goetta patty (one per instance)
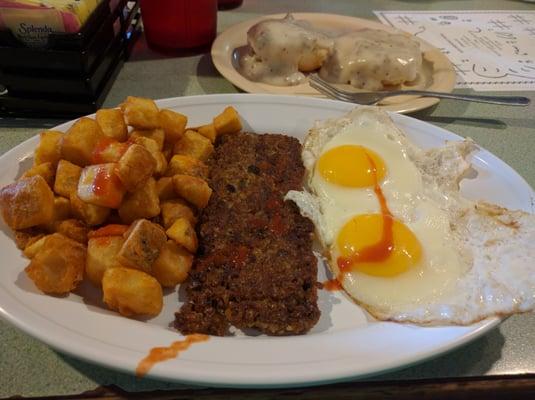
(255, 267)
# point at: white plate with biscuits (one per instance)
(437, 73)
(345, 344)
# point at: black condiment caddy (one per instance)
(72, 75)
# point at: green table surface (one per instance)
(30, 368)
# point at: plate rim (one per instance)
(220, 59)
(57, 343)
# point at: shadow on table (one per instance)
(8, 122)
(142, 52)
(207, 74)
(457, 111)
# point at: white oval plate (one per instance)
(344, 344)
(437, 72)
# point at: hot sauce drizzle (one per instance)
(382, 249)
(109, 230)
(159, 354)
(332, 285)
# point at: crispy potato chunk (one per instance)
(140, 112)
(135, 167)
(193, 189)
(227, 122)
(91, 214)
(62, 208)
(153, 148)
(186, 165)
(102, 254)
(173, 124)
(175, 209)
(194, 145)
(143, 203)
(132, 292)
(173, 265)
(142, 246)
(108, 150)
(208, 131)
(99, 185)
(62, 211)
(182, 233)
(157, 135)
(26, 237)
(46, 170)
(27, 202)
(67, 177)
(80, 140)
(165, 188)
(58, 267)
(168, 151)
(49, 148)
(74, 229)
(111, 123)
(32, 249)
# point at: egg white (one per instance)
(456, 279)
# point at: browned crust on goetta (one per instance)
(255, 267)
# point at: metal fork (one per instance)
(373, 97)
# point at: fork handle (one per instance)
(505, 100)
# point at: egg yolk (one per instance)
(365, 231)
(350, 166)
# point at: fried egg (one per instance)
(398, 235)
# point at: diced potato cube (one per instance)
(175, 209)
(46, 170)
(62, 211)
(62, 208)
(165, 188)
(135, 167)
(227, 122)
(108, 150)
(194, 145)
(32, 249)
(99, 185)
(173, 124)
(67, 177)
(208, 131)
(111, 122)
(58, 267)
(157, 135)
(80, 140)
(193, 189)
(27, 202)
(153, 148)
(109, 230)
(101, 255)
(168, 151)
(26, 237)
(132, 292)
(91, 214)
(173, 265)
(143, 203)
(182, 233)
(49, 148)
(142, 246)
(140, 112)
(73, 229)
(186, 165)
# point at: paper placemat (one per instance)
(490, 50)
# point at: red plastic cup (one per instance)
(228, 4)
(179, 24)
